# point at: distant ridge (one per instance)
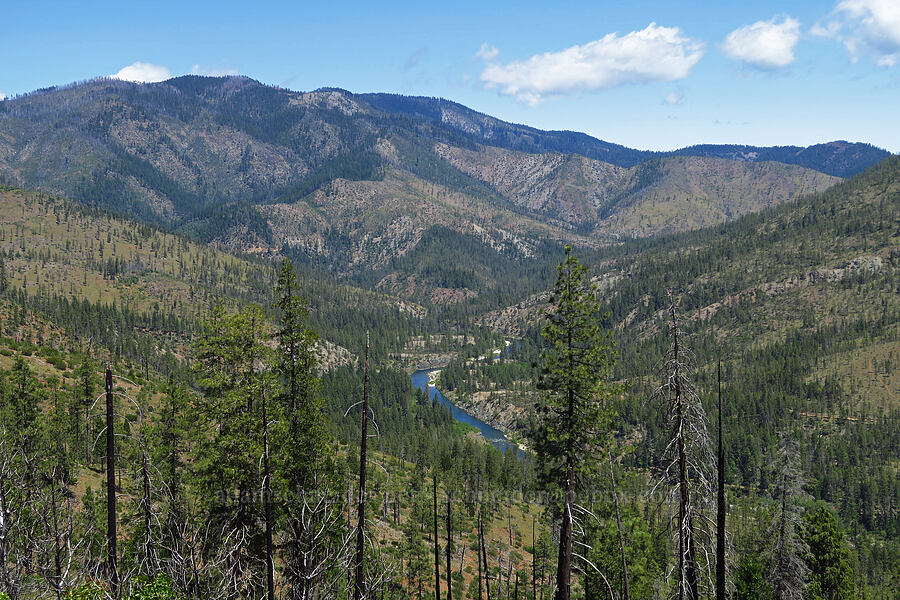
(353, 182)
(838, 158)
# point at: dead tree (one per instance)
(720, 496)
(687, 474)
(487, 577)
(437, 559)
(359, 583)
(315, 557)
(449, 549)
(111, 487)
(787, 548)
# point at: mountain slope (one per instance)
(661, 196)
(200, 155)
(139, 291)
(825, 268)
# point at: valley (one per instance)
(255, 261)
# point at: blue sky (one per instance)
(655, 75)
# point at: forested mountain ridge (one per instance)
(227, 159)
(839, 158)
(827, 260)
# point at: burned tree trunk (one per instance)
(267, 501)
(449, 551)
(688, 473)
(437, 559)
(359, 583)
(111, 487)
(720, 496)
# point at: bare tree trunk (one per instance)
(57, 551)
(479, 555)
(359, 584)
(4, 550)
(449, 551)
(626, 592)
(267, 500)
(687, 564)
(111, 487)
(487, 577)
(437, 559)
(720, 514)
(148, 510)
(533, 563)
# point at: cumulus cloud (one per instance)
(866, 28)
(2, 96)
(764, 44)
(652, 54)
(143, 73)
(487, 53)
(213, 71)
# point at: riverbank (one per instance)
(494, 409)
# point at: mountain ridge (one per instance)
(263, 169)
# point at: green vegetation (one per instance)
(236, 451)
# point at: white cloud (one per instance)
(487, 53)
(652, 54)
(143, 73)
(213, 71)
(765, 44)
(866, 28)
(673, 98)
(2, 96)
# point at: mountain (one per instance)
(839, 158)
(224, 159)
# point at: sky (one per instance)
(646, 74)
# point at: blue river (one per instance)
(496, 437)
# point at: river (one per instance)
(420, 380)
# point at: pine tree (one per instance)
(830, 572)
(574, 411)
(230, 365)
